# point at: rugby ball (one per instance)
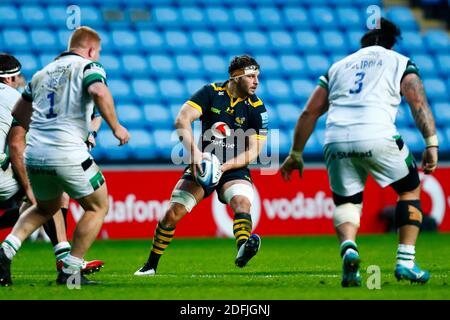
(211, 172)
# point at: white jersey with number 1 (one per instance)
(62, 110)
(364, 94)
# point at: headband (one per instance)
(244, 71)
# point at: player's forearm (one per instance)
(105, 105)
(414, 92)
(96, 123)
(243, 159)
(16, 151)
(186, 136)
(303, 130)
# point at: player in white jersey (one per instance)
(14, 183)
(362, 93)
(56, 107)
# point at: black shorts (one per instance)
(236, 174)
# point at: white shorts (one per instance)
(349, 163)
(49, 182)
(8, 184)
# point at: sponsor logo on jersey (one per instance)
(221, 130)
(240, 121)
(215, 110)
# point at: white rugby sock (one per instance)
(406, 255)
(11, 245)
(61, 250)
(72, 264)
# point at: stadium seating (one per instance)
(158, 53)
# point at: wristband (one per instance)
(432, 141)
(296, 155)
(94, 133)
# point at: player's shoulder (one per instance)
(8, 93)
(217, 86)
(256, 103)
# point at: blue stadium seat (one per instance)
(215, 65)
(204, 41)
(145, 90)
(91, 16)
(112, 65)
(296, 17)
(141, 146)
(404, 117)
(256, 41)
(411, 42)
(412, 138)
(446, 133)
(443, 62)
(349, 18)
(30, 64)
(188, 65)
(317, 64)
(354, 40)
(288, 114)
(274, 121)
(230, 41)
(269, 64)
(46, 58)
(115, 17)
(33, 16)
(16, 39)
(63, 36)
(125, 41)
(166, 16)
(218, 17)
(107, 43)
(157, 116)
(194, 84)
(281, 41)
(334, 42)
(292, 65)
(244, 15)
(109, 148)
(44, 40)
(135, 65)
(278, 89)
(57, 16)
(161, 64)
(165, 141)
(336, 57)
(172, 88)
(307, 42)
(322, 18)
(151, 41)
(435, 89)
(312, 147)
(120, 90)
(320, 136)
(302, 88)
(130, 115)
(444, 142)
(402, 17)
(10, 16)
(426, 64)
(284, 143)
(437, 41)
(441, 112)
(178, 41)
(269, 17)
(175, 108)
(192, 16)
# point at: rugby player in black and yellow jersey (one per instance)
(234, 128)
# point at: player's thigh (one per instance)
(391, 161)
(8, 184)
(81, 180)
(346, 175)
(45, 182)
(96, 201)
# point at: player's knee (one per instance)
(408, 212)
(184, 199)
(240, 204)
(173, 215)
(347, 213)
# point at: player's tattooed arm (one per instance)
(414, 93)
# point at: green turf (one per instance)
(285, 268)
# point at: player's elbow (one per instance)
(98, 90)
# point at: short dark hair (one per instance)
(8, 65)
(239, 62)
(386, 35)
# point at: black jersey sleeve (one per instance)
(259, 120)
(201, 99)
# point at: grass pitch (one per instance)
(287, 268)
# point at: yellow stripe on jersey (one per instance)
(195, 106)
(256, 103)
(216, 88)
(260, 137)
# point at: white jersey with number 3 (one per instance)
(364, 95)
(62, 109)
